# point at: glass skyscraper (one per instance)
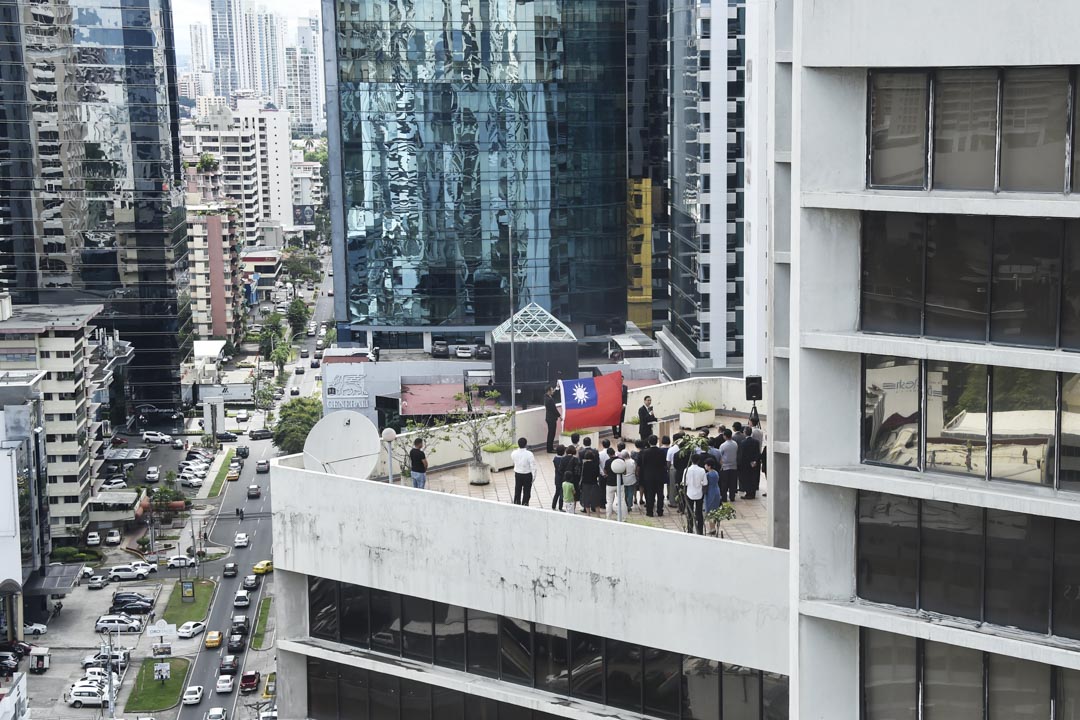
(91, 209)
(475, 135)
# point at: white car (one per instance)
(97, 582)
(190, 481)
(242, 599)
(242, 416)
(193, 695)
(114, 484)
(180, 561)
(191, 629)
(218, 713)
(464, 351)
(153, 473)
(157, 437)
(241, 540)
(35, 629)
(101, 674)
(93, 539)
(224, 684)
(143, 566)
(113, 538)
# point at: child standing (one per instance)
(569, 493)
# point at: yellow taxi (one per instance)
(263, 567)
(233, 475)
(213, 639)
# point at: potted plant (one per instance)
(497, 454)
(481, 423)
(697, 414)
(714, 518)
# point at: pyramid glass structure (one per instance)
(533, 323)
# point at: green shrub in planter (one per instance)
(65, 553)
(499, 446)
(82, 557)
(698, 406)
(143, 543)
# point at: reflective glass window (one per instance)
(1017, 689)
(663, 675)
(322, 690)
(775, 696)
(952, 682)
(623, 674)
(482, 633)
(1067, 579)
(1018, 570)
(888, 548)
(893, 247)
(515, 646)
(353, 691)
(323, 608)
(416, 628)
(898, 128)
(385, 621)
(891, 409)
(449, 636)
(888, 676)
(1070, 432)
(958, 251)
(481, 708)
(355, 621)
(1034, 112)
(701, 689)
(587, 667)
(507, 711)
(965, 128)
(1026, 281)
(1023, 404)
(552, 652)
(956, 415)
(1070, 281)
(741, 693)
(1068, 703)
(447, 704)
(415, 700)
(385, 697)
(952, 559)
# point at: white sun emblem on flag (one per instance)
(581, 395)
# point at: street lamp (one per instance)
(389, 435)
(618, 466)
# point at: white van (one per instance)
(119, 659)
(88, 696)
(117, 623)
(242, 599)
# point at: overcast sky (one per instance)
(186, 12)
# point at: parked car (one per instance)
(464, 351)
(134, 607)
(87, 697)
(254, 492)
(130, 595)
(213, 639)
(294, 390)
(440, 349)
(250, 582)
(93, 539)
(231, 569)
(237, 644)
(117, 623)
(229, 665)
(262, 467)
(242, 416)
(191, 628)
(483, 352)
(143, 565)
(113, 538)
(249, 681)
(97, 582)
(193, 694)
(226, 436)
(243, 451)
(118, 441)
(262, 434)
(190, 481)
(153, 436)
(127, 572)
(224, 684)
(119, 658)
(241, 540)
(114, 484)
(153, 474)
(178, 444)
(180, 561)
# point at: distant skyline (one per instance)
(189, 12)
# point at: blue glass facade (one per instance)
(471, 131)
(90, 206)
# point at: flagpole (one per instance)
(513, 328)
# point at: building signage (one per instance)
(347, 390)
(303, 214)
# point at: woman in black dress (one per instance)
(592, 495)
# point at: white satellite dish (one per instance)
(343, 443)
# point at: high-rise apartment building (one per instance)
(202, 48)
(90, 205)
(196, 84)
(309, 37)
(274, 143)
(307, 184)
(463, 173)
(709, 285)
(226, 22)
(300, 94)
(262, 50)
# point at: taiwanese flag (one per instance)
(592, 402)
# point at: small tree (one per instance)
(432, 435)
(298, 315)
(484, 421)
(295, 421)
(281, 355)
(264, 398)
(273, 332)
(170, 479)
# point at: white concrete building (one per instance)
(202, 48)
(271, 128)
(307, 185)
(301, 98)
(196, 84)
(924, 303)
(309, 37)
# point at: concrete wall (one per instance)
(690, 594)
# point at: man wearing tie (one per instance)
(646, 419)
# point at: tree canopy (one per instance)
(295, 421)
(298, 314)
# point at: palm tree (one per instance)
(281, 355)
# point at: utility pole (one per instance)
(109, 673)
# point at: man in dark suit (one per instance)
(551, 416)
(652, 474)
(646, 419)
(616, 430)
(749, 466)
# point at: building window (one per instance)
(888, 542)
(951, 556)
(417, 628)
(449, 636)
(482, 644)
(891, 411)
(898, 129)
(965, 129)
(706, 89)
(893, 253)
(958, 252)
(1034, 109)
(952, 682)
(1023, 404)
(889, 689)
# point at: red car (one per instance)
(117, 440)
(249, 681)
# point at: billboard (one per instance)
(345, 386)
(303, 215)
(232, 392)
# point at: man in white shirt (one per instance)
(524, 472)
(695, 480)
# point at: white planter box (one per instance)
(695, 420)
(498, 460)
(478, 474)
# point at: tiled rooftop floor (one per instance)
(750, 524)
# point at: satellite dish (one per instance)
(343, 443)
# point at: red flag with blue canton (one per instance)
(592, 402)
